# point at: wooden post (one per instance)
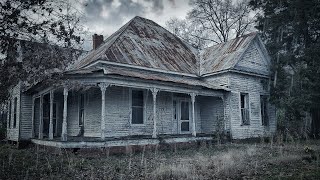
(65, 112)
(51, 115)
(32, 117)
(103, 87)
(40, 136)
(154, 96)
(193, 99)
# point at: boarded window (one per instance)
(244, 102)
(137, 107)
(264, 110)
(81, 109)
(15, 113)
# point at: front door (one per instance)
(182, 115)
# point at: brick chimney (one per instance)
(96, 40)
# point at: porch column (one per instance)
(51, 115)
(154, 96)
(40, 135)
(65, 112)
(103, 87)
(193, 99)
(32, 117)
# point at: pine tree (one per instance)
(291, 30)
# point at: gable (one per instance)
(224, 56)
(253, 60)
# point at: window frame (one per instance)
(264, 100)
(246, 107)
(143, 108)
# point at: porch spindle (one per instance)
(40, 136)
(103, 87)
(154, 95)
(193, 99)
(51, 115)
(64, 123)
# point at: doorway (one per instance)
(182, 112)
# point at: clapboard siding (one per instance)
(253, 61)
(26, 117)
(211, 111)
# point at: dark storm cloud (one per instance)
(116, 15)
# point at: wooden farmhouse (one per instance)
(143, 85)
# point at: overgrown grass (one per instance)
(296, 160)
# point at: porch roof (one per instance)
(147, 75)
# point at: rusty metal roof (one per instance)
(142, 42)
(224, 56)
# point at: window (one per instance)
(137, 106)
(81, 109)
(9, 114)
(264, 110)
(174, 104)
(15, 113)
(244, 102)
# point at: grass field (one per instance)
(296, 160)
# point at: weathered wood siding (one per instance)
(211, 112)
(13, 133)
(254, 88)
(253, 60)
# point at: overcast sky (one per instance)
(106, 16)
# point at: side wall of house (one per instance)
(13, 132)
(211, 112)
(254, 87)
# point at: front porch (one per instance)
(110, 112)
(91, 142)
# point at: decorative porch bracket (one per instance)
(51, 115)
(154, 96)
(193, 99)
(65, 112)
(40, 135)
(103, 87)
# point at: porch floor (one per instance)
(96, 142)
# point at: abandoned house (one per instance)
(142, 83)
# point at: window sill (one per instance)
(245, 125)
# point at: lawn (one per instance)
(295, 160)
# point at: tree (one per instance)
(190, 32)
(48, 22)
(222, 19)
(291, 30)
